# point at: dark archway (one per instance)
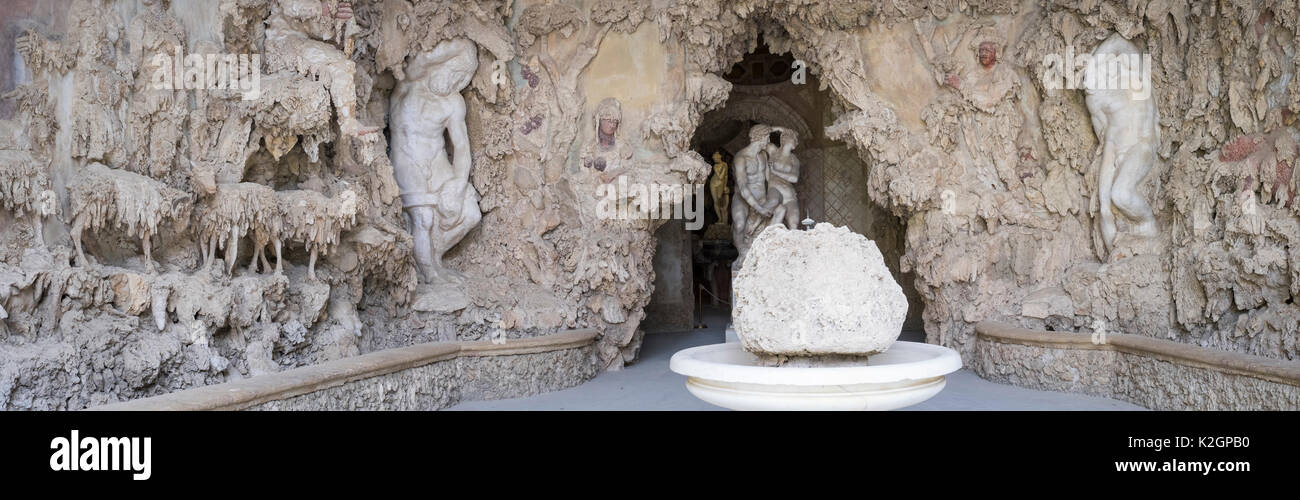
(832, 188)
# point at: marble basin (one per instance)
(728, 376)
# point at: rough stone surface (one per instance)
(429, 387)
(964, 134)
(443, 384)
(825, 291)
(1145, 381)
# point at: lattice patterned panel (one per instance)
(845, 189)
(812, 199)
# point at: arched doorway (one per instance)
(831, 188)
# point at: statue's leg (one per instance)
(792, 215)
(738, 214)
(422, 231)
(1105, 182)
(1133, 167)
(445, 240)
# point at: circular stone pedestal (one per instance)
(728, 376)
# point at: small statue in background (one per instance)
(719, 189)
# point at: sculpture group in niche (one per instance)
(440, 203)
(1129, 130)
(766, 171)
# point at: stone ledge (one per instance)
(255, 391)
(1185, 376)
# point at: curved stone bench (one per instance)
(1155, 373)
(420, 377)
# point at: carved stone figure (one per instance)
(607, 155)
(783, 173)
(300, 36)
(750, 206)
(157, 114)
(719, 189)
(441, 205)
(1129, 131)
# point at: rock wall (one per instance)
(967, 137)
(994, 165)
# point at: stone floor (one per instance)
(649, 385)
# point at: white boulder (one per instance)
(821, 292)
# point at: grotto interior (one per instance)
(202, 192)
(831, 188)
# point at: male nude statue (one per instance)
(298, 38)
(783, 173)
(441, 205)
(1129, 130)
(750, 204)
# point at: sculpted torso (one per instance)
(751, 207)
(419, 151)
(751, 185)
(1128, 128)
(441, 205)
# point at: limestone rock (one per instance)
(825, 291)
(440, 298)
(1047, 302)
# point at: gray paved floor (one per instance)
(649, 385)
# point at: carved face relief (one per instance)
(608, 127)
(608, 116)
(988, 54)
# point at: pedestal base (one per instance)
(726, 375)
